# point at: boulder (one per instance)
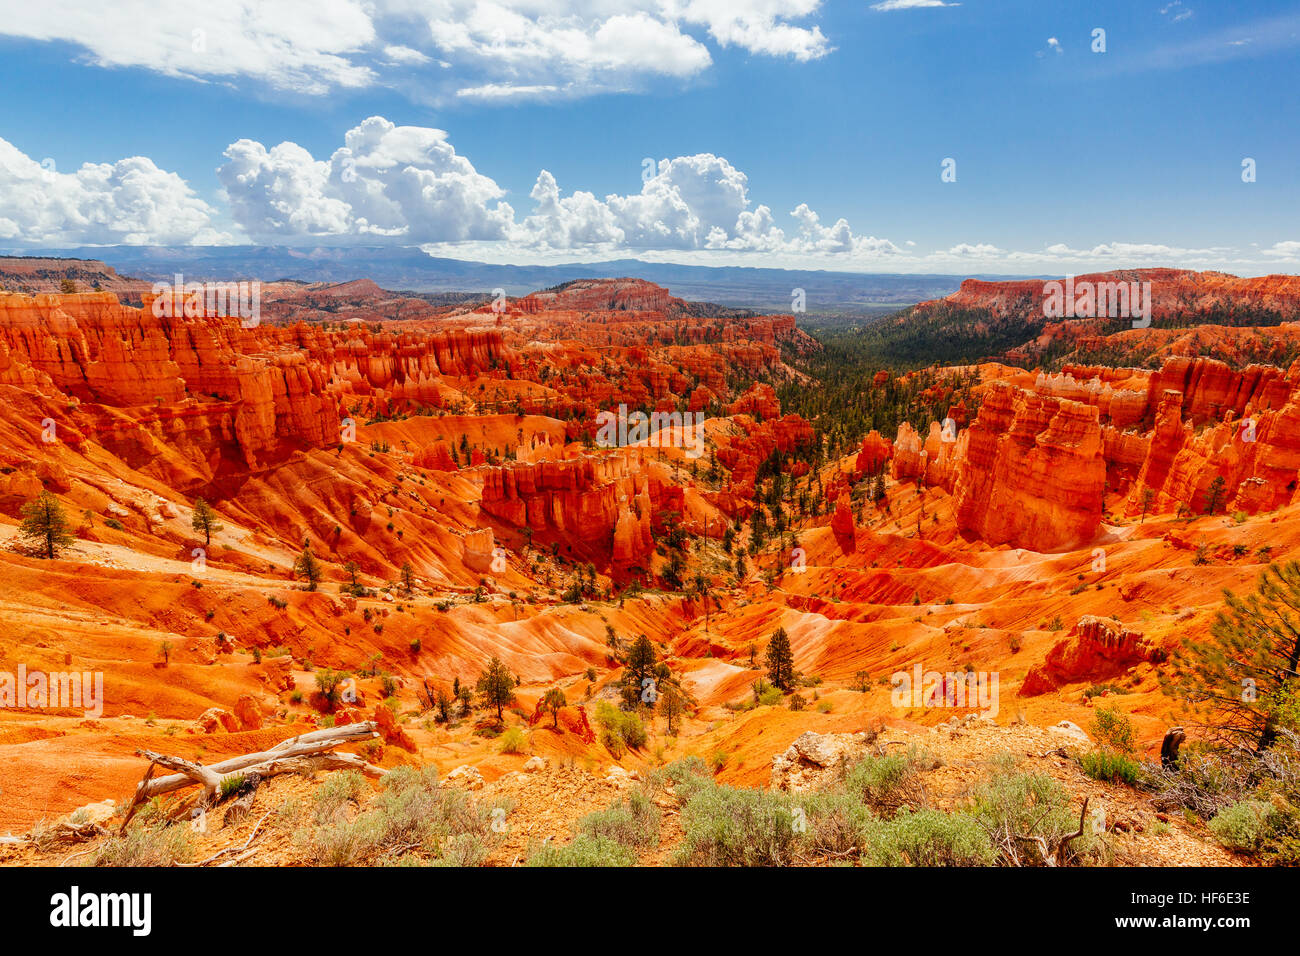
(249, 712)
(214, 719)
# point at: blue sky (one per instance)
(782, 132)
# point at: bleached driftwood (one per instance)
(306, 752)
(315, 742)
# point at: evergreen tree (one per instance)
(552, 701)
(672, 705)
(1214, 495)
(45, 525)
(780, 660)
(205, 520)
(1241, 682)
(308, 568)
(408, 578)
(639, 668)
(1147, 497)
(702, 591)
(496, 686)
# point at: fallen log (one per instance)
(304, 745)
(243, 802)
(306, 752)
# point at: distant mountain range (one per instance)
(410, 269)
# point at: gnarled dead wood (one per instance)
(308, 744)
(1071, 837)
(1055, 856)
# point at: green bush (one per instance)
(929, 838)
(147, 845)
(1265, 828)
(411, 813)
(1111, 767)
(584, 851)
(623, 725)
(633, 822)
(613, 742)
(513, 741)
(1244, 826)
(727, 826)
(772, 697)
(688, 774)
(1010, 805)
(888, 782)
(1112, 730)
(837, 823)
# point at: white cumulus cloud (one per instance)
(129, 201)
(404, 182)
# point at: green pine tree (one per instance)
(308, 568)
(496, 687)
(780, 660)
(1240, 683)
(205, 520)
(45, 525)
(639, 668)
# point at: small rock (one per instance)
(534, 764)
(94, 812)
(1071, 730)
(467, 777)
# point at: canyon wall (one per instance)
(1032, 469)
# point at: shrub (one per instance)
(1265, 828)
(772, 697)
(613, 742)
(513, 741)
(726, 826)
(463, 849)
(633, 822)
(1111, 767)
(929, 838)
(1113, 730)
(688, 774)
(584, 851)
(147, 845)
(837, 823)
(327, 684)
(888, 782)
(1010, 804)
(1204, 781)
(1243, 826)
(621, 729)
(410, 813)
